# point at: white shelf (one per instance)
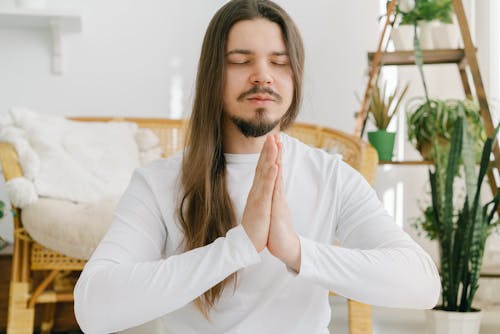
(56, 21)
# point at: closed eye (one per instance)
(239, 62)
(280, 60)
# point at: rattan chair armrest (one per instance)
(9, 161)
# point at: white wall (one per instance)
(139, 58)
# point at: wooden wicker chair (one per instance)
(30, 257)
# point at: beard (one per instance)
(256, 127)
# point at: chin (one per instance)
(257, 126)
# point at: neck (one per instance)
(235, 142)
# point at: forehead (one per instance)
(258, 35)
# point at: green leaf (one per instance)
(419, 60)
(469, 162)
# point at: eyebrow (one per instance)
(248, 52)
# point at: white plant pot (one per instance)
(425, 34)
(31, 4)
(446, 36)
(445, 322)
(402, 37)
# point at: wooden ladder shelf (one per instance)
(464, 58)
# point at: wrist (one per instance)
(293, 258)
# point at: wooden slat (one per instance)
(442, 56)
(64, 319)
(471, 57)
(360, 318)
(465, 82)
(47, 297)
(41, 287)
(470, 53)
(10, 163)
(5, 270)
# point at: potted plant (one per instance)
(427, 15)
(381, 110)
(460, 233)
(430, 123)
(402, 33)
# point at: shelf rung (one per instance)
(443, 56)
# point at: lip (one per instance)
(260, 99)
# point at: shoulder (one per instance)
(299, 152)
(320, 162)
(162, 167)
(164, 171)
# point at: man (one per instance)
(235, 234)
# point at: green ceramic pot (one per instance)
(383, 142)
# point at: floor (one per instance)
(397, 321)
(385, 320)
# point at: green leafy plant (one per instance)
(381, 109)
(461, 237)
(426, 10)
(430, 124)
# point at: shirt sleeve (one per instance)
(128, 282)
(378, 263)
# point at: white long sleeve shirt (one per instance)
(139, 272)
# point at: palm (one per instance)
(283, 241)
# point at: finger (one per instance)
(269, 152)
(279, 180)
(266, 171)
(265, 152)
(280, 149)
(277, 185)
(279, 144)
(266, 166)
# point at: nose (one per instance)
(261, 74)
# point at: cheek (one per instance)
(287, 87)
(233, 86)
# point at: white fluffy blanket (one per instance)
(76, 161)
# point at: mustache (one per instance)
(260, 90)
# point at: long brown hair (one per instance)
(206, 210)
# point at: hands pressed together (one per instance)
(266, 218)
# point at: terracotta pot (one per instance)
(425, 147)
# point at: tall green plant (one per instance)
(461, 237)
